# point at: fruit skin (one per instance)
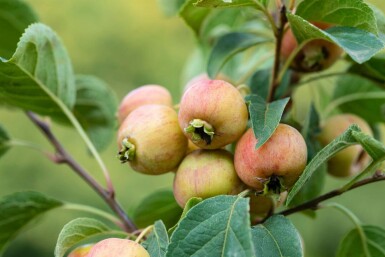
(316, 55)
(282, 157)
(352, 159)
(206, 173)
(160, 144)
(219, 105)
(117, 247)
(81, 251)
(147, 94)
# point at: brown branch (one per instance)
(314, 204)
(277, 60)
(62, 156)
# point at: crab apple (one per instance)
(147, 94)
(212, 113)
(151, 141)
(206, 173)
(81, 251)
(352, 159)
(117, 247)
(316, 55)
(276, 165)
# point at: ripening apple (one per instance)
(147, 94)
(316, 55)
(116, 247)
(81, 251)
(352, 159)
(276, 165)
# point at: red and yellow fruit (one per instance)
(81, 251)
(117, 247)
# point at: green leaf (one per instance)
(218, 226)
(373, 147)
(81, 229)
(352, 13)
(171, 7)
(264, 117)
(190, 203)
(39, 75)
(229, 45)
(258, 4)
(158, 205)
(352, 245)
(359, 44)
(260, 83)
(360, 96)
(95, 108)
(373, 69)
(344, 140)
(18, 209)
(15, 17)
(4, 140)
(380, 18)
(277, 237)
(193, 16)
(157, 241)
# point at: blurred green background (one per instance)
(128, 44)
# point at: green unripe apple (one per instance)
(212, 113)
(151, 141)
(206, 173)
(351, 160)
(81, 251)
(276, 165)
(147, 94)
(116, 247)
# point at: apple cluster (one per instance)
(197, 142)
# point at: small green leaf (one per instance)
(39, 75)
(193, 16)
(95, 108)
(352, 245)
(158, 205)
(352, 13)
(218, 226)
(18, 209)
(260, 83)
(171, 7)
(258, 4)
(4, 140)
(15, 17)
(190, 203)
(229, 45)
(80, 229)
(373, 147)
(360, 96)
(277, 237)
(344, 140)
(359, 44)
(264, 117)
(157, 241)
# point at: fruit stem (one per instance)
(144, 233)
(127, 152)
(200, 130)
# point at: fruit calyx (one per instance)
(200, 130)
(313, 57)
(127, 152)
(272, 185)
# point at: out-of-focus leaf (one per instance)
(218, 226)
(277, 237)
(352, 13)
(373, 69)
(15, 16)
(19, 209)
(39, 75)
(171, 7)
(229, 45)
(359, 44)
(380, 18)
(264, 117)
(95, 108)
(160, 205)
(4, 139)
(258, 4)
(157, 241)
(193, 16)
(353, 246)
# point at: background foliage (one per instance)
(128, 44)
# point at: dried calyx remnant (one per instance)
(200, 130)
(127, 152)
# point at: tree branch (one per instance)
(62, 156)
(314, 204)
